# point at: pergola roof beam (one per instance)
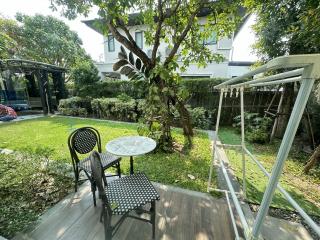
(29, 65)
(278, 76)
(285, 62)
(287, 80)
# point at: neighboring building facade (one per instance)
(223, 46)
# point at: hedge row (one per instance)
(129, 110)
(138, 89)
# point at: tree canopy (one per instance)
(286, 27)
(41, 38)
(8, 44)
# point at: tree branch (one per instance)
(182, 35)
(157, 34)
(125, 29)
(128, 44)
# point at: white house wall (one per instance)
(223, 47)
(235, 71)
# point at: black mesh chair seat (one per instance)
(130, 192)
(107, 161)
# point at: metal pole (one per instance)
(298, 109)
(232, 216)
(288, 80)
(236, 202)
(215, 139)
(294, 204)
(243, 145)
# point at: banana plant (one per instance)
(133, 68)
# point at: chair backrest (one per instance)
(99, 177)
(83, 141)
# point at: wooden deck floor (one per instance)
(181, 214)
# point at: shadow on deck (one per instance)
(181, 214)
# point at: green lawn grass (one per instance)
(50, 134)
(303, 188)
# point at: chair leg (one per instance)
(153, 218)
(119, 169)
(76, 176)
(107, 226)
(93, 190)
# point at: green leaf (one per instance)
(123, 51)
(131, 74)
(119, 64)
(138, 63)
(121, 55)
(126, 70)
(131, 58)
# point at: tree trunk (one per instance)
(284, 111)
(312, 160)
(186, 122)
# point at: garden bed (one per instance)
(29, 184)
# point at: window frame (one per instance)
(110, 37)
(206, 42)
(135, 38)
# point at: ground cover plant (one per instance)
(29, 184)
(303, 188)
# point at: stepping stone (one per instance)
(6, 151)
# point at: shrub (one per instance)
(115, 109)
(75, 106)
(84, 74)
(113, 88)
(257, 128)
(139, 89)
(200, 117)
(124, 108)
(201, 84)
(28, 186)
(79, 112)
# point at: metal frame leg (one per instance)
(298, 109)
(131, 165)
(93, 190)
(153, 218)
(107, 227)
(215, 140)
(76, 176)
(119, 169)
(76, 185)
(244, 185)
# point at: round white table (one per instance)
(131, 146)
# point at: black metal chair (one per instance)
(83, 141)
(123, 195)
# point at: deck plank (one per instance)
(181, 215)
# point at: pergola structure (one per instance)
(304, 69)
(36, 74)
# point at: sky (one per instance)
(93, 41)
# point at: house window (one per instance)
(211, 40)
(139, 39)
(111, 43)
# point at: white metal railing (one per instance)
(302, 68)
